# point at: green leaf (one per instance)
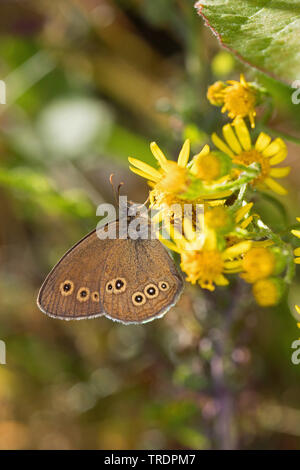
(263, 33)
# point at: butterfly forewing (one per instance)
(71, 290)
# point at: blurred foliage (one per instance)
(88, 84)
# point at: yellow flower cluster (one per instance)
(238, 99)
(208, 258)
(297, 261)
(234, 239)
(260, 266)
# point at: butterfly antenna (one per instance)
(147, 200)
(115, 191)
(119, 188)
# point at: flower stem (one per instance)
(224, 426)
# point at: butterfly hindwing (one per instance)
(140, 282)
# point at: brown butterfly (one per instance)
(130, 281)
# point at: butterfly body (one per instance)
(130, 281)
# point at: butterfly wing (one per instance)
(131, 281)
(71, 290)
(140, 281)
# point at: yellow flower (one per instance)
(175, 179)
(211, 166)
(221, 218)
(214, 93)
(258, 263)
(172, 179)
(207, 267)
(268, 292)
(261, 261)
(172, 176)
(297, 250)
(240, 99)
(218, 218)
(202, 261)
(242, 220)
(268, 154)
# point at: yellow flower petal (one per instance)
(221, 145)
(143, 174)
(297, 309)
(262, 243)
(155, 175)
(210, 241)
(296, 233)
(252, 115)
(233, 82)
(176, 236)
(237, 249)
(231, 139)
(169, 244)
(243, 211)
(276, 187)
(233, 271)
(262, 142)
(279, 157)
(202, 153)
(233, 265)
(184, 154)
(297, 260)
(246, 222)
(221, 281)
(280, 172)
(217, 195)
(274, 147)
(243, 80)
(297, 251)
(298, 218)
(158, 154)
(242, 133)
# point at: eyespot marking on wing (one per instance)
(95, 296)
(83, 294)
(164, 285)
(109, 288)
(120, 285)
(138, 298)
(151, 291)
(66, 288)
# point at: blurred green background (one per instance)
(90, 82)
